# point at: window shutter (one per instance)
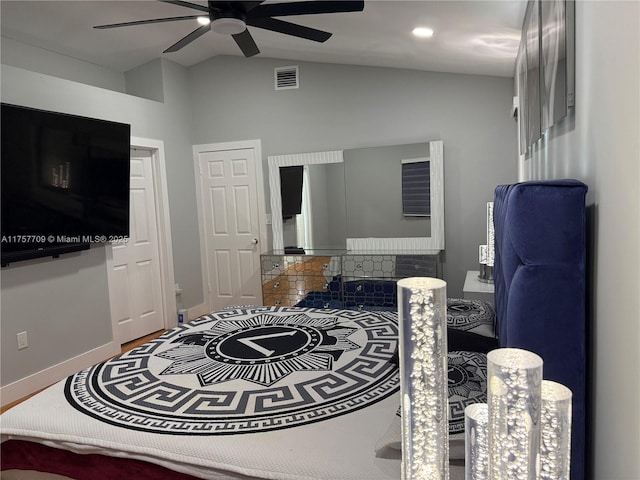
(416, 191)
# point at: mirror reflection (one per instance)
(320, 222)
(374, 206)
(359, 199)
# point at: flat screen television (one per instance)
(291, 179)
(65, 182)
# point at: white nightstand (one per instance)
(475, 289)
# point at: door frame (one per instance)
(165, 246)
(256, 146)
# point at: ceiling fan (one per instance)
(232, 18)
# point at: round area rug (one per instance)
(467, 375)
(245, 370)
(475, 316)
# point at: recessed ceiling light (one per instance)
(204, 20)
(423, 32)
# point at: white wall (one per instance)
(36, 59)
(62, 306)
(342, 107)
(146, 81)
(599, 144)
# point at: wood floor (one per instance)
(295, 282)
(140, 341)
(125, 348)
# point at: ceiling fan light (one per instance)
(204, 20)
(423, 32)
(228, 26)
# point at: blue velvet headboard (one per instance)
(539, 276)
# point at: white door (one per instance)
(231, 226)
(134, 283)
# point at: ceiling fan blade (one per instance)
(145, 22)
(248, 6)
(234, 6)
(246, 43)
(289, 28)
(305, 8)
(188, 39)
(187, 4)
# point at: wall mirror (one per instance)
(353, 199)
(321, 223)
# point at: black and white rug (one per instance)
(245, 370)
(474, 316)
(467, 375)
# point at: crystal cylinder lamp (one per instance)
(555, 431)
(422, 315)
(513, 393)
(476, 442)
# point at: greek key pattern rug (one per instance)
(245, 370)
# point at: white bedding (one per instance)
(339, 448)
(313, 408)
(248, 393)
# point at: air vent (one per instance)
(286, 78)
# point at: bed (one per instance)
(304, 393)
(243, 393)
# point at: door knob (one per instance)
(254, 241)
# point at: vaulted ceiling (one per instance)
(470, 36)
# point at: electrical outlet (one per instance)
(23, 342)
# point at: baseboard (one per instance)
(197, 311)
(42, 379)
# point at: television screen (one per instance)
(291, 190)
(65, 181)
